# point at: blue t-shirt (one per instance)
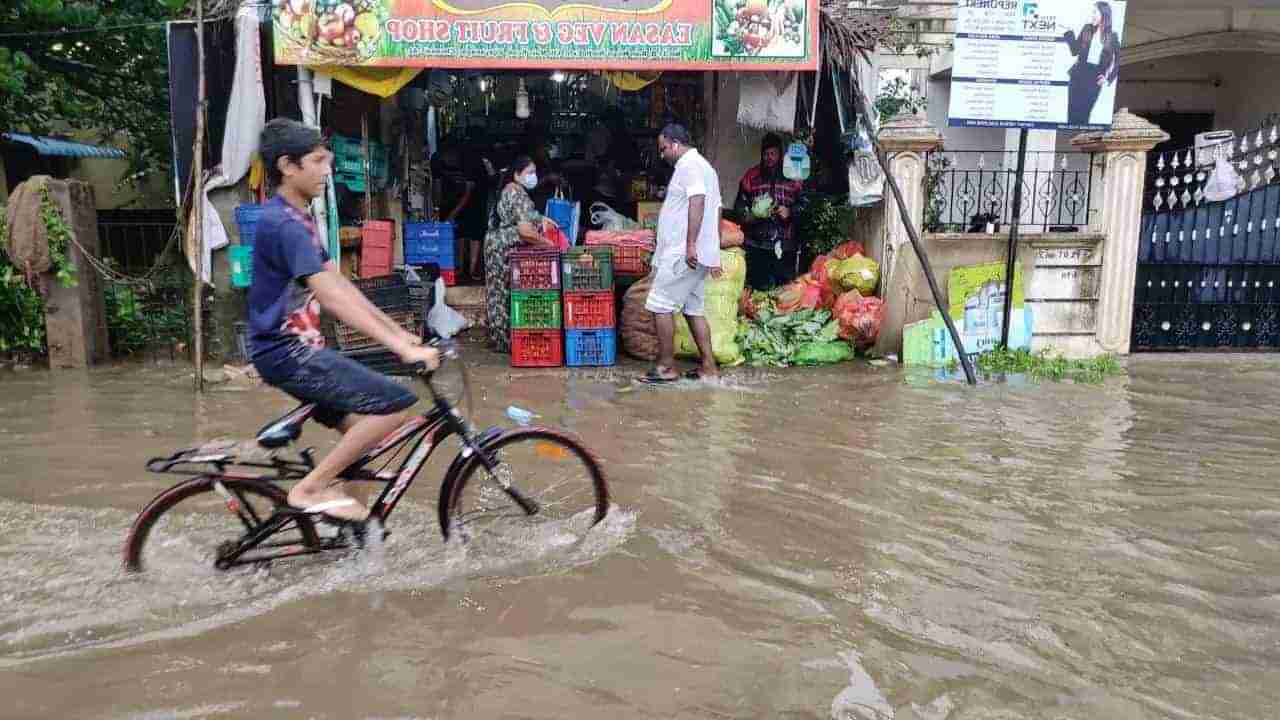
(284, 315)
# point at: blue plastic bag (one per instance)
(566, 215)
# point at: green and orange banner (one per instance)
(551, 34)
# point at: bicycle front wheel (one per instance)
(193, 529)
(560, 479)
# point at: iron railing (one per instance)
(1176, 179)
(969, 191)
(134, 239)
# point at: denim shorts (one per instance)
(338, 385)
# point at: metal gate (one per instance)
(1209, 272)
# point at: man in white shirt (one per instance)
(688, 250)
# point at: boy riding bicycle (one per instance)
(293, 277)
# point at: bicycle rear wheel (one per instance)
(191, 528)
(550, 469)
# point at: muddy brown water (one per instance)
(851, 542)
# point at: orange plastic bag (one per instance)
(846, 250)
(553, 233)
(860, 318)
(803, 293)
(731, 235)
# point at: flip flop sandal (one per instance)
(652, 378)
(325, 507)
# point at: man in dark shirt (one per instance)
(771, 243)
(292, 278)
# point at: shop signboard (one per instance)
(976, 297)
(549, 34)
(1036, 64)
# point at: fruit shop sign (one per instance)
(554, 34)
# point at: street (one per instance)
(850, 542)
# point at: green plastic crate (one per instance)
(240, 257)
(536, 310)
(586, 268)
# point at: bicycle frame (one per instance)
(426, 433)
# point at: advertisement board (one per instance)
(1036, 64)
(550, 34)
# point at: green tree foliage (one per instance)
(112, 80)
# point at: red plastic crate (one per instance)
(631, 260)
(375, 260)
(589, 310)
(535, 270)
(537, 348)
(378, 233)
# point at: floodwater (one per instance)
(848, 543)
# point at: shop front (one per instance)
(427, 103)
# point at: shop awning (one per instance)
(64, 148)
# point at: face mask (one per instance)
(529, 181)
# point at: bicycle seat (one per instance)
(285, 429)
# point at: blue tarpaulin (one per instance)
(64, 148)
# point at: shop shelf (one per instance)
(586, 268)
(589, 348)
(590, 310)
(535, 270)
(537, 348)
(538, 309)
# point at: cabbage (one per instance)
(856, 273)
(762, 206)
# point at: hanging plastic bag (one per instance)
(1225, 183)
(566, 215)
(609, 219)
(444, 320)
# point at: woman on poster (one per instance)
(1097, 52)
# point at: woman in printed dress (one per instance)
(514, 224)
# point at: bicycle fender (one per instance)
(488, 435)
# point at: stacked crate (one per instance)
(241, 256)
(590, 315)
(431, 244)
(377, 248)
(402, 302)
(535, 310)
(348, 163)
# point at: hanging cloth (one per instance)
(767, 100)
(381, 81)
(246, 115)
(631, 81)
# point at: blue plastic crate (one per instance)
(590, 348)
(247, 222)
(429, 243)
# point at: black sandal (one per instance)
(653, 378)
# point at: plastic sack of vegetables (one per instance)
(856, 273)
(846, 250)
(722, 298)
(636, 331)
(822, 353)
(802, 293)
(860, 318)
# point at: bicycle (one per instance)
(268, 529)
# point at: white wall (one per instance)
(1240, 89)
